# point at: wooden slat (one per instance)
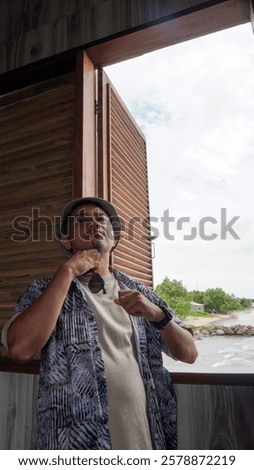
(130, 250)
(133, 208)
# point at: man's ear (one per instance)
(117, 239)
(113, 247)
(65, 242)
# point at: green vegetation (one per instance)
(214, 300)
(176, 295)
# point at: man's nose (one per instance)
(94, 223)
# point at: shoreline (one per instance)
(209, 320)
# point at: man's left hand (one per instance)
(137, 305)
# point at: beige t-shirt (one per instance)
(128, 423)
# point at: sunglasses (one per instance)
(96, 284)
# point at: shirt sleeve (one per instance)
(5, 330)
(33, 291)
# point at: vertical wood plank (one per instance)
(78, 165)
(216, 417)
(103, 136)
(17, 412)
(84, 169)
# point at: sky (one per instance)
(194, 102)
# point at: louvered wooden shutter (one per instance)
(36, 138)
(123, 180)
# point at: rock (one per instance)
(204, 332)
(228, 330)
(220, 332)
(238, 327)
(198, 337)
(241, 331)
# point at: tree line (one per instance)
(214, 300)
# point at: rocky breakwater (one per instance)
(215, 330)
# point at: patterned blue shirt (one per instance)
(72, 404)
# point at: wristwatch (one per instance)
(168, 317)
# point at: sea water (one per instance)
(221, 354)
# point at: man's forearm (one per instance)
(30, 331)
(180, 342)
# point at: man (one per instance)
(101, 333)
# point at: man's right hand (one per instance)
(82, 261)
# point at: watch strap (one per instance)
(168, 317)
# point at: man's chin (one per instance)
(98, 245)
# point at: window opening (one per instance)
(194, 102)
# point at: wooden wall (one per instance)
(210, 416)
(36, 135)
(33, 30)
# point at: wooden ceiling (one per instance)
(172, 30)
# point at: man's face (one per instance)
(89, 227)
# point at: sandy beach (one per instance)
(209, 320)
